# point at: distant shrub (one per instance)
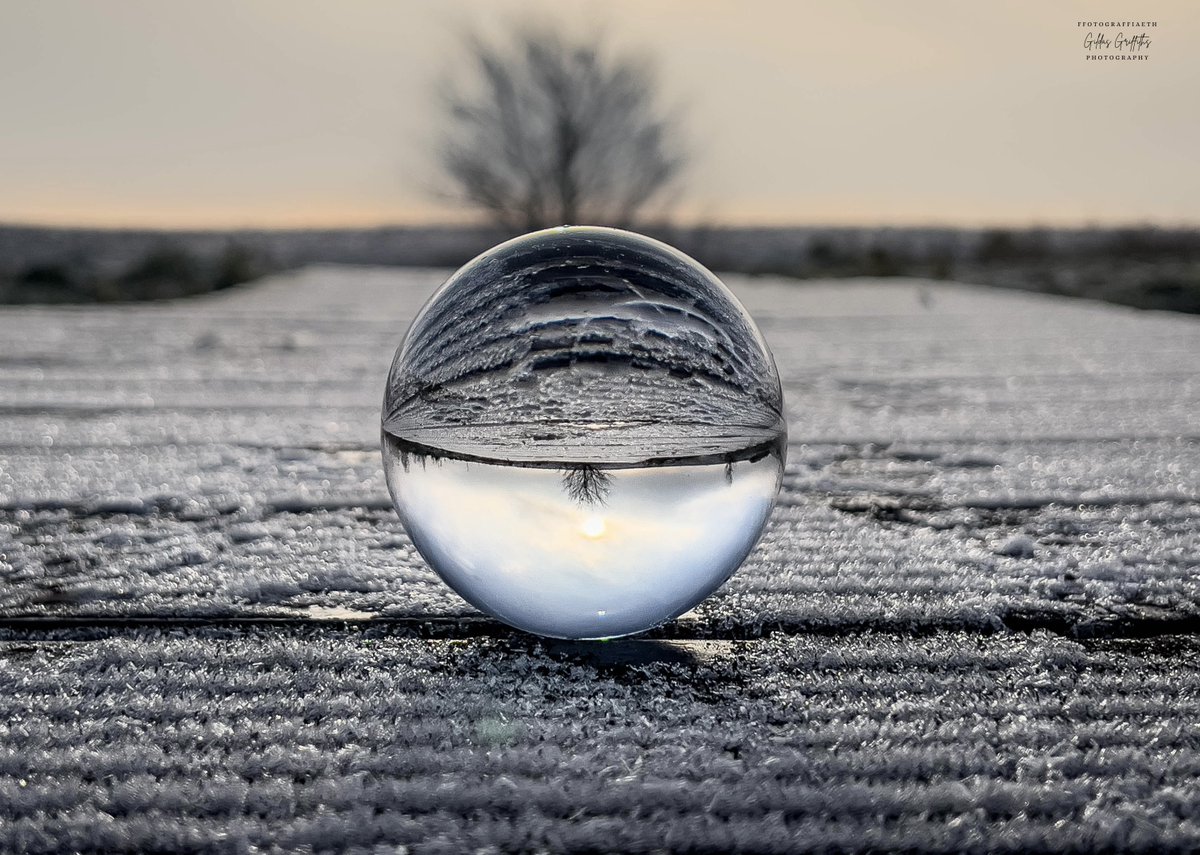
(1179, 293)
(880, 262)
(997, 245)
(822, 254)
(166, 271)
(941, 267)
(238, 264)
(169, 271)
(53, 275)
(47, 283)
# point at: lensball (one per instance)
(583, 432)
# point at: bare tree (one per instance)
(557, 131)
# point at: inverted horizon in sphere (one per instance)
(518, 543)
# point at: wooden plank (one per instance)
(335, 740)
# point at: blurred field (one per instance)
(1144, 267)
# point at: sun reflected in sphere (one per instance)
(592, 527)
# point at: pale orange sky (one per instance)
(294, 112)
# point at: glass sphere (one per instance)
(583, 432)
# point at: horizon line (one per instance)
(1031, 224)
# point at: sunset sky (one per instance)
(301, 113)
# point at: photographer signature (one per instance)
(1122, 42)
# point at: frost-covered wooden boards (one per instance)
(960, 457)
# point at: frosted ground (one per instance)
(971, 623)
